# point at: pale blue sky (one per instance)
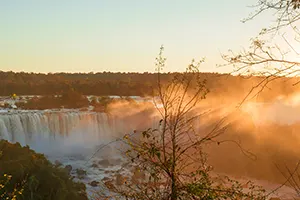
(119, 35)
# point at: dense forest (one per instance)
(133, 84)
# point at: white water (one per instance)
(38, 129)
(72, 136)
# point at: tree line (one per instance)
(133, 84)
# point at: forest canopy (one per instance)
(131, 84)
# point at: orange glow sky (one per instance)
(111, 35)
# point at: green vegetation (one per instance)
(68, 99)
(27, 175)
(131, 84)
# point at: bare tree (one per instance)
(171, 156)
(286, 13)
(273, 54)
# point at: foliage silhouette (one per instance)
(35, 176)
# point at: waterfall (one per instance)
(55, 132)
(24, 127)
(66, 131)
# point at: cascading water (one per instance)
(72, 137)
(29, 128)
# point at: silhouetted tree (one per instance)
(172, 155)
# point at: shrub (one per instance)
(33, 175)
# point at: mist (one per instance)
(260, 139)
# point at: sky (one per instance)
(121, 36)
